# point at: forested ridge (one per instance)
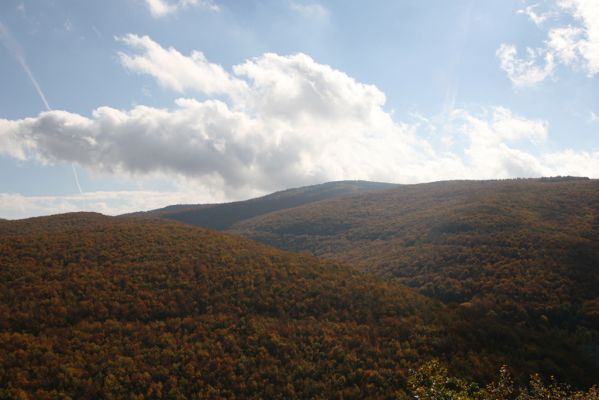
(224, 216)
(533, 241)
(526, 251)
(101, 307)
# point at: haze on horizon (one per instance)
(121, 106)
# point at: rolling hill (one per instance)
(224, 216)
(527, 250)
(103, 307)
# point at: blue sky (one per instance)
(125, 105)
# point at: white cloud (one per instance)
(161, 8)
(525, 72)
(11, 142)
(296, 88)
(574, 163)
(505, 126)
(586, 44)
(563, 42)
(176, 71)
(286, 121)
(490, 150)
(204, 140)
(537, 18)
(572, 45)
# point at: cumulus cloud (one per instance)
(525, 72)
(492, 137)
(584, 40)
(161, 8)
(574, 45)
(563, 42)
(201, 140)
(499, 125)
(176, 71)
(278, 121)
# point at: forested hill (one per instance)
(527, 250)
(101, 307)
(223, 216)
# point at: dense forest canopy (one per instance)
(521, 251)
(94, 306)
(525, 249)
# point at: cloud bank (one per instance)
(575, 45)
(278, 121)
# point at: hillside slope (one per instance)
(527, 249)
(101, 307)
(223, 216)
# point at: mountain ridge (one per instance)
(446, 239)
(222, 216)
(95, 306)
(100, 306)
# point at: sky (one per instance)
(127, 105)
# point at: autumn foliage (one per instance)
(102, 307)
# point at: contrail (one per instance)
(97, 32)
(76, 178)
(34, 83)
(15, 50)
(13, 47)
